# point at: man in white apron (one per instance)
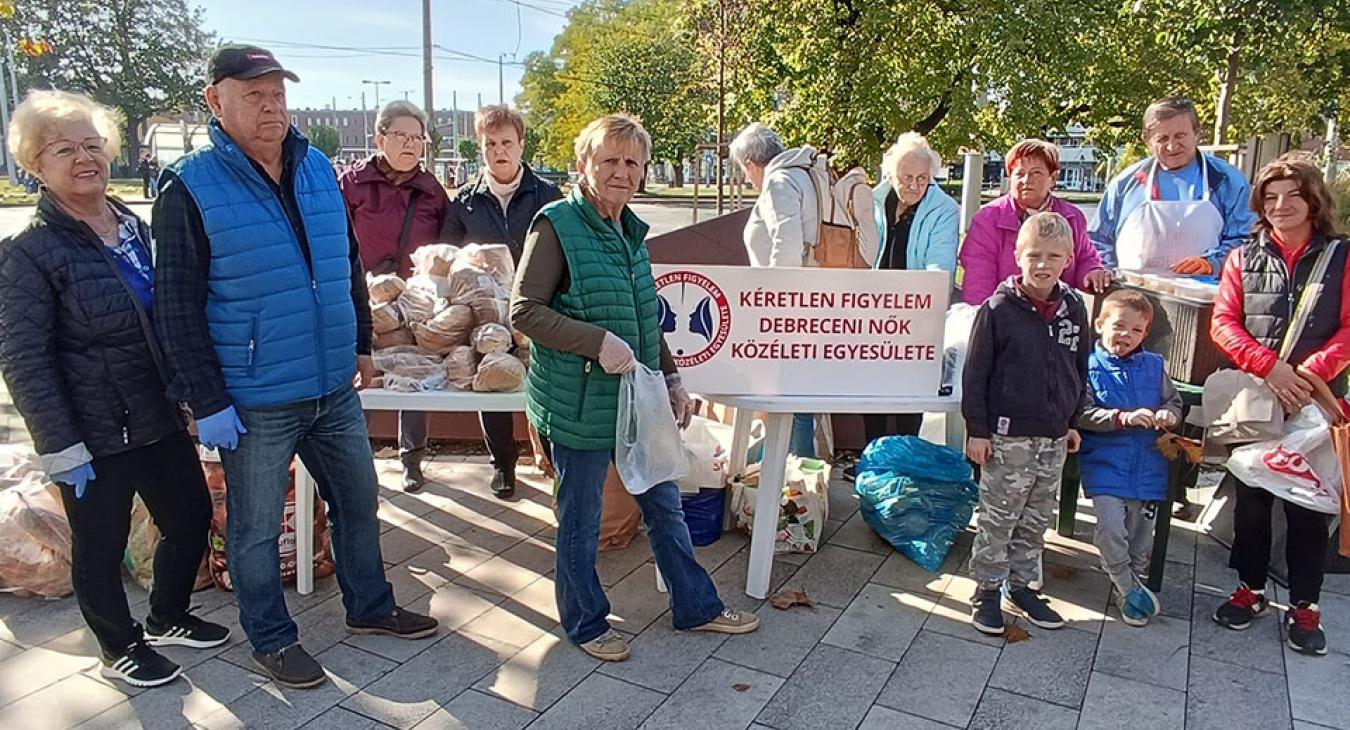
(1176, 209)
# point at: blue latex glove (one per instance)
(79, 477)
(220, 430)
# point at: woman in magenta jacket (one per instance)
(987, 255)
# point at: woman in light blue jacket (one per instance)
(918, 224)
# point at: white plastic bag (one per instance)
(1300, 466)
(707, 446)
(647, 449)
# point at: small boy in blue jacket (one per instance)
(1128, 399)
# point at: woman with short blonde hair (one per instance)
(586, 298)
(83, 366)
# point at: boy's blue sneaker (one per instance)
(1139, 606)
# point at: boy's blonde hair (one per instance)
(1126, 299)
(1044, 226)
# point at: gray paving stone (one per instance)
(8, 650)
(1178, 590)
(36, 668)
(1053, 666)
(1223, 696)
(337, 718)
(614, 565)
(843, 501)
(537, 601)
(1257, 646)
(270, 706)
(66, 703)
(476, 711)
(1000, 710)
(1317, 685)
(634, 602)
(662, 658)
(412, 691)
(834, 575)
(711, 557)
(206, 688)
(882, 718)
(540, 673)
(951, 613)
(600, 702)
(857, 534)
(900, 572)
(1156, 654)
(503, 575)
(784, 638)
(1181, 542)
(399, 544)
(1114, 702)
(502, 625)
(729, 579)
(1336, 583)
(1080, 595)
(940, 678)
(880, 622)
(45, 621)
(1212, 574)
(710, 700)
(833, 687)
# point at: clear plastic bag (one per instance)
(417, 304)
(647, 448)
(468, 282)
(917, 495)
(35, 545)
(494, 258)
(403, 358)
(433, 259)
(384, 289)
(1300, 466)
(384, 318)
(499, 373)
(491, 338)
(461, 366)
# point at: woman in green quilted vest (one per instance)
(584, 295)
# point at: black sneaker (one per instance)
(187, 631)
(1238, 611)
(413, 480)
(986, 612)
(503, 485)
(291, 667)
(1303, 625)
(401, 623)
(140, 666)
(1034, 607)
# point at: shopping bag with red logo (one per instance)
(218, 550)
(1301, 466)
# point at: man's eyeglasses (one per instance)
(64, 149)
(404, 139)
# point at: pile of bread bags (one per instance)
(446, 327)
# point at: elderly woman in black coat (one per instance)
(80, 359)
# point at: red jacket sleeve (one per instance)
(1228, 326)
(1331, 359)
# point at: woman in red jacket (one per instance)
(1260, 288)
(396, 206)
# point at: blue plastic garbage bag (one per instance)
(703, 515)
(917, 495)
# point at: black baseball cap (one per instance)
(238, 61)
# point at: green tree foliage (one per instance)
(143, 57)
(638, 57)
(325, 139)
(468, 149)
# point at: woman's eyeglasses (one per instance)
(64, 149)
(403, 139)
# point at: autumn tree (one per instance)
(325, 139)
(143, 57)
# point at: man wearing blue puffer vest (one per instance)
(262, 314)
(1128, 399)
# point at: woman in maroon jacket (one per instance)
(1262, 282)
(396, 206)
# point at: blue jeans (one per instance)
(803, 440)
(330, 436)
(582, 605)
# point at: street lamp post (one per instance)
(377, 85)
(365, 124)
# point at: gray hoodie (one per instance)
(786, 216)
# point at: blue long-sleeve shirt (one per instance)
(1229, 193)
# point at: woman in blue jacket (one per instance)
(918, 224)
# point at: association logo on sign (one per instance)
(695, 316)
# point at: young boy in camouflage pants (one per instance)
(1022, 384)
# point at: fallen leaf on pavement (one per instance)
(740, 686)
(787, 598)
(1015, 633)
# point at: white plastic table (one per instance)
(778, 412)
(441, 401)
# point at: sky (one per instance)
(381, 40)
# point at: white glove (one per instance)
(616, 357)
(680, 402)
